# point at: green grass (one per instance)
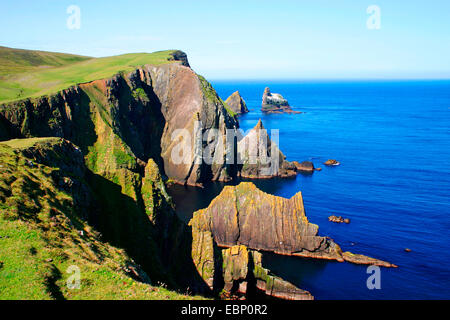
(41, 236)
(14, 61)
(21, 78)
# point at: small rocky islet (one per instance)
(86, 168)
(275, 103)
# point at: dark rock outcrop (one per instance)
(245, 215)
(259, 157)
(275, 103)
(237, 103)
(179, 55)
(304, 166)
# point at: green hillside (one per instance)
(43, 234)
(26, 73)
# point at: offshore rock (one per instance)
(304, 166)
(275, 103)
(237, 103)
(332, 162)
(260, 157)
(245, 215)
(339, 219)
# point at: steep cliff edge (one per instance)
(45, 237)
(238, 271)
(245, 215)
(147, 113)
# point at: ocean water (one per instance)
(393, 142)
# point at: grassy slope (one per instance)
(40, 237)
(25, 74)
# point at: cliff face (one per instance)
(260, 157)
(46, 207)
(238, 270)
(245, 215)
(123, 126)
(139, 115)
(187, 99)
(237, 103)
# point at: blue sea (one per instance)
(392, 139)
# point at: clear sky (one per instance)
(248, 39)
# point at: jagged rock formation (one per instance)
(135, 116)
(339, 219)
(243, 272)
(275, 103)
(237, 103)
(238, 270)
(259, 157)
(181, 56)
(245, 215)
(186, 98)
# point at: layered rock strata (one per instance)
(245, 215)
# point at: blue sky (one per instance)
(248, 39)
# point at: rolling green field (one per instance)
(27, 73)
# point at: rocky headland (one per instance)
(86, 169)
(244, 215)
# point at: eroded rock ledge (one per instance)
(245, 215)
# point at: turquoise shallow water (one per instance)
(393, 142)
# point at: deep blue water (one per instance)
(393, 142)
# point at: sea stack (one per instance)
(236, 103)
(275, 103)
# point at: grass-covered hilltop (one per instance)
(85, 156)
(27, 73)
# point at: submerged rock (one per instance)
(237, 103)
(245, 215)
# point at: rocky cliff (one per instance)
(275, 103)
(245, 215)
(237, 103)
(138, 115)
(46, 211)
(260, 157)
(123, 127)
(238, 271)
